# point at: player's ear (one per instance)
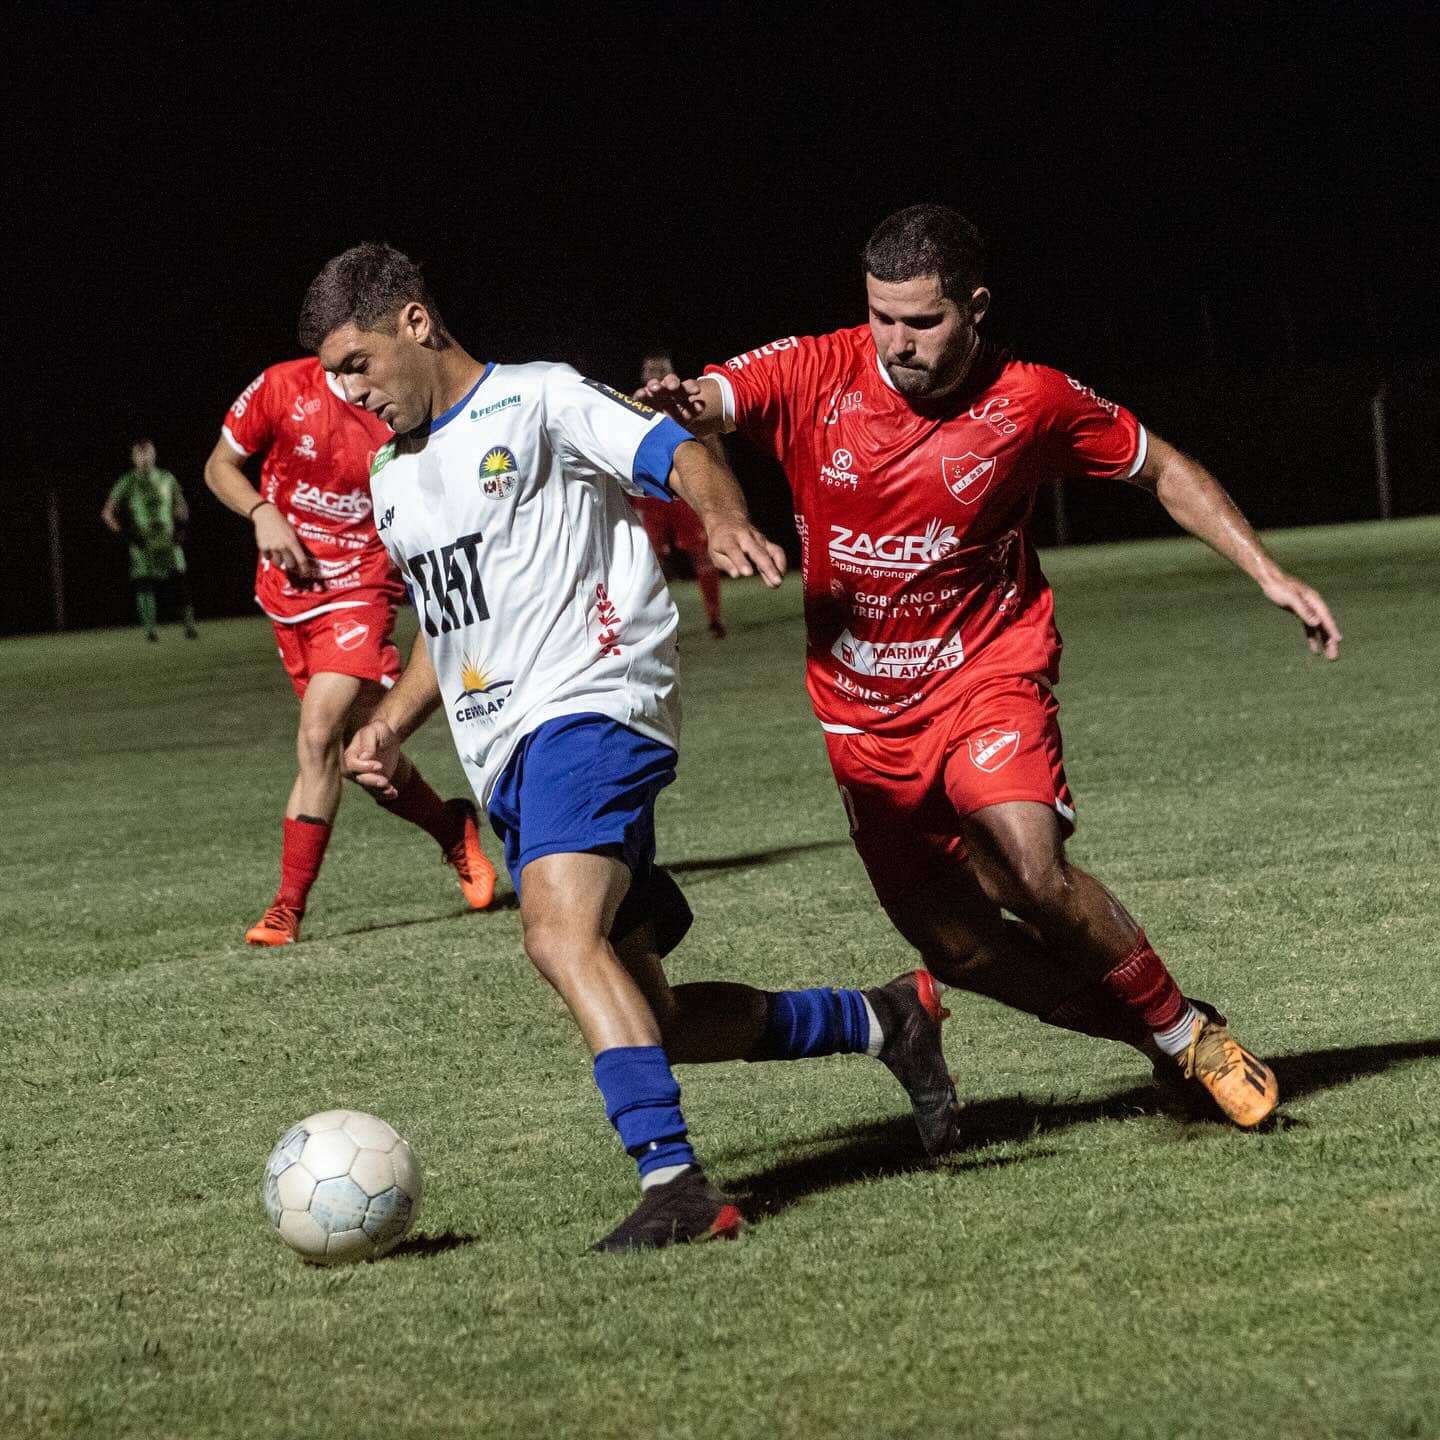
(979, 304)
(414, 322)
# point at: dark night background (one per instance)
(1221, 215)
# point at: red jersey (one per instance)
(919, 576)
(318, 448)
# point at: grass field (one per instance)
(1086, 1267)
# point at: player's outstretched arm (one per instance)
(1197, 501)
(275, 538)
(373, 753)
(701, 478)
(696, 404)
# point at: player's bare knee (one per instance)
(1041, 889)
(555, 944)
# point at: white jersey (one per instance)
(537, 589)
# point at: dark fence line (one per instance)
(1295, 446)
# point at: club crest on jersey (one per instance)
(498, 472)
(350, 634)
(482, 696)
(990, 749)
(967, 477)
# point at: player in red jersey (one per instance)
(914, 451)
(328, 586)
(673, 525)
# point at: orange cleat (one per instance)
(279, 925)
(1242, 1086)
(467, 859)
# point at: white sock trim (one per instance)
(877, 1035)
(1174, 1040)
(663, 1176)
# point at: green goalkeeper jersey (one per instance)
(146, 505)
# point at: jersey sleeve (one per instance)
(250, 422)
(1089, 435)
(120, 490)
(598, 431)
(763, 390)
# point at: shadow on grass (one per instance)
(507, 901)
(424, 1247)
(890, 1147)
(754, 858)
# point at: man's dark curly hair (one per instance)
(928, 240)
(366, 287)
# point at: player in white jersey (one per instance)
(548, 635)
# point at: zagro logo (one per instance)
(482, 696)
(447, 580)
(333, 505)
(859, 550)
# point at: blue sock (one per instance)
(642, 1099)
(802, 1023)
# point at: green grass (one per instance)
(1087, 1267)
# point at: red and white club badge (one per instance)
(968, 476)
(990, 749)
(350, 633)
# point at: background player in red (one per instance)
(328, 586)
(914, 452)
(674, 525)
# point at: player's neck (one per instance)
(457, 372)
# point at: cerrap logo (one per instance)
(482, 695)
(840, 473)
(967, 477)
(992, 748)
(350, 634)
(498, 472)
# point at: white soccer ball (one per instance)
(342, 1186)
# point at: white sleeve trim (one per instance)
(235, 445)
(1142, 449)
(727, 400)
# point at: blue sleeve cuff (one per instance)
(656, 457)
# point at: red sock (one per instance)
(1095, 1011)
(708, 579)
(304, 849)
(421, 806)
(1142, 984)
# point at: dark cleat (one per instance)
(910, 1014)
(679, 1212)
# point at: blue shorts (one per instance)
(576, 784)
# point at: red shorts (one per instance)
(353, 641)
(905, 795)
(673, 525)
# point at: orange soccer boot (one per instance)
(467, 859)
(1243, 1086)
(279, 925)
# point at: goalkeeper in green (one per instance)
(148, 509)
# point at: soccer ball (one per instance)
(341, 1186)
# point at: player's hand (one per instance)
(738, 548)
(371, 758)
(679, 399)
(1297, 597)
(278, 543)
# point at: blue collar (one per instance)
(440, 421)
